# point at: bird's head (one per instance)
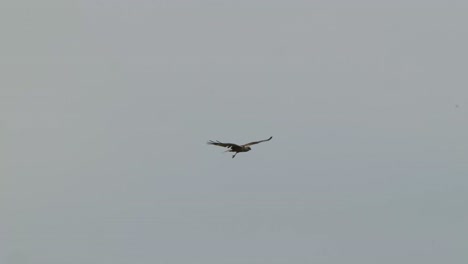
(247, 148)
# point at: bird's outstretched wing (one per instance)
(256, 142)
(226, 145)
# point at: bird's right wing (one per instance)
(256, 142)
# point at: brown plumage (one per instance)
(236, 148)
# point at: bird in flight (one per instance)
(236, 148)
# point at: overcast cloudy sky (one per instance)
(106, 107)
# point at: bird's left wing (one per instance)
(226, 145)
(256, 142)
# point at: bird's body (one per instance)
(236, 148)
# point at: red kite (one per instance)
(236, 148)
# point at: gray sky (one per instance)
(106, 106)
